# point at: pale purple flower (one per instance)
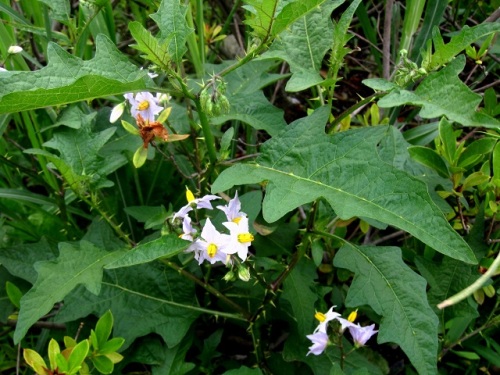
(324, 319)
(203, 202)
(233, 210)
(211, 246)
(361, 335)
(187, 229)
(145, 104)
(241, 238)
(345, 323)
(319, 343)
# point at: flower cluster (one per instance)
(212, 245)
(320, 340)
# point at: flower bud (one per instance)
(14, 49)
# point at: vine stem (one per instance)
(473, 287)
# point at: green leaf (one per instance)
(59, 9)
(385, 283)
(153, 51)
(174, 30)
(304, 46)
(164, 247)
(247, 101)
(293, 11)
(446, 279)
(103, 364)
(14, 294)
(475, 152)
(77, 356)
(112, 345)
(444, 53)
(433, 94)
(75, 265)
(144, 299)
(67, 79)
(304, 164)
(261, 14)
(298, 291)
(79, 148)
(103, 328)
(243, 370)
(429, 158)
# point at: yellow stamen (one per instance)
(212, 250)
(245, 237)
(189, 195)
(320, 316)
(237, 219)
(143, 105)
(352, 316)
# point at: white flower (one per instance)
(361, 335)
(116, 112)
(2, 69)
(319, 343)
(14, 49)
(241, 238)
(211, 246)
(187, 229)
(145, 104)
(203, 202)
(233, 209)
(325, 318)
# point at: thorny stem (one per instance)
(208, 288)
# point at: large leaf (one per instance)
(443, 94)
(165, 246)
(174, 30)
(298, 291)
(445, 280)
(384, 282)
(75, 265)
(144, 299)
(60, 9)
(304, 164)
(304, 46)
(67, 79)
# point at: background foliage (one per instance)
(361, 138)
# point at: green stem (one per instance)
(209, 137)
(478, 284)
(208, 288)
(350, 110)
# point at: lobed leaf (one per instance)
(303, 164)
(75, 265)
(153, 50)
(67, 79)
(174, 30)
(443, 94)
(304, 46)
(385, 283)
(444, 53)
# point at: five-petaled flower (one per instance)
(203, 202)
(361, 335)
(241, 238)
(212, 245)
(324, 319)
(233, 210)
(144, 104)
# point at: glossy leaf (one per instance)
(385, 283)
(103, 328)
(433, 96)
(304, 164)
(67, 79)
(75, 265)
